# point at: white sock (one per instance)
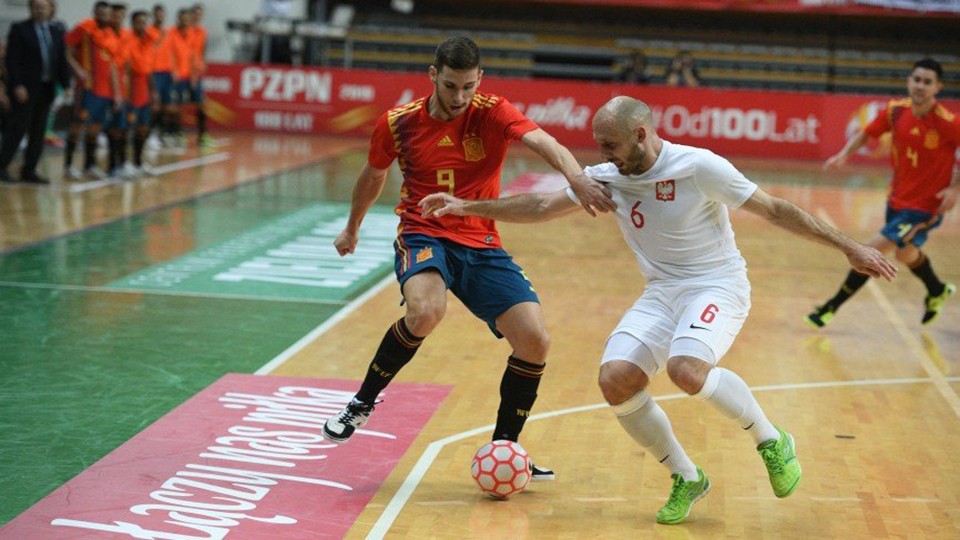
(646, 422)
(730, 395)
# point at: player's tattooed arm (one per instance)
(790, 217)
(526, 208)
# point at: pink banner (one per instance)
(242, 459)
(770, 124)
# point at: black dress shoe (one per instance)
(33, 178)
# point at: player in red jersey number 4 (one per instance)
(925, 140)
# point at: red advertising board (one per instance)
(245, 458)
(749, 123)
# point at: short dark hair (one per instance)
(101, 5)
(159, 7)
(931, 64)
(118, 7)
(138, 13)
(459, 53)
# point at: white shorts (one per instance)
(710, 312)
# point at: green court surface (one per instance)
(108, 329)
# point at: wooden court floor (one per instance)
(872, 400)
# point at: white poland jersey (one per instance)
(674, 216)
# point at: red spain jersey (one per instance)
(95, 47)
(198, 43)
(163, 61)
(141, 54)
(121, 58)
(923, 153)
(181, 52)
(463, 157)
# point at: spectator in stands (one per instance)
(634, 70)
(682, 70)
(36, 63)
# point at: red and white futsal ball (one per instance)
(501, 468)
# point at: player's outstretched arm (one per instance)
(593, 195)
(786, 215)
(840, 158)
(526, 208)
(365, 193)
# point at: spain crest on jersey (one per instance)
(666, 190)
(931, 140)
(473, 149)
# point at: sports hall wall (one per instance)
(218, 12)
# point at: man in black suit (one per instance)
(36, 62)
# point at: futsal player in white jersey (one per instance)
(672, 205)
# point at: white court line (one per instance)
(913, 345)
(224, 296)
(322, 329)
(87, 186)
(410, 483)
(189, 163)
(112, 180)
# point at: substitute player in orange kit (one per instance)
(924, 187)
(93, 45)
(141, 52)
(455, 141)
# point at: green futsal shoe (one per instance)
(682, 496)
(780, 457)
(821, 316)
(934, 304)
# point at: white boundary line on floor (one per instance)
(400, 498)
(909, 338)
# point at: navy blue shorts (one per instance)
(119, 120)
(188, 93)
(96, 109)
(139, 116)
(487, 281)
(163, 82)
(909, 226)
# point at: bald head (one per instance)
(623, 129)
(621, 115)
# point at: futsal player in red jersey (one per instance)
(455, 141)
(925, 140)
